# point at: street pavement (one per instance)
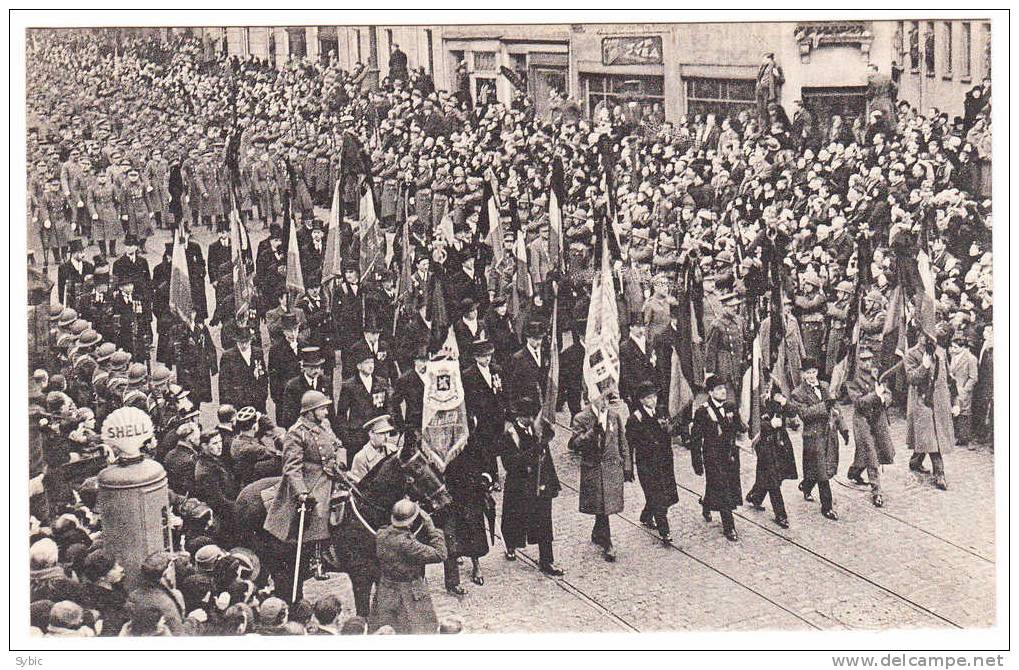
(925, 560)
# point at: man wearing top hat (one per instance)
(243, 379)
(499, 331)
(528, 367)
(363, 396)
(71, 275)
(487, 403)
(637, 362)
(715, 454)
(381, 443)
(319, 323)
(134, 265)
(309, 377)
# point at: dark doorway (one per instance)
(849, 102)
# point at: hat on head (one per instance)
(534, 329)
(350, 265)
(136, 373)
(713, 381)
(98, 564)
(644, 389)
(361, 353)
(288, 321)
(206, 557)
(312, 357)
(249, 561)
(525, 407)
(89, 338)
(241, 334)
(120, 360)
(379, 424)
(160, 374)
(312, 400)
(67, 317)
(809, 363)
(482, 347)
(404, 513)
(272, 612)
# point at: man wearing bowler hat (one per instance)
(528, 370)
(309, 377)
(409, 392)
(487, 403)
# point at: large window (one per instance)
(721, 97)
(914, 46)
(967, 51)
(431, 58)
(948, 49)
(928, 50)
(298, 42)
(484, 61)
(612, 90)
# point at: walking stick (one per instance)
(300, 542)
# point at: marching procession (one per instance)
(334, 325)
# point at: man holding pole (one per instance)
(312, 459)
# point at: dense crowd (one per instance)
(855, 253)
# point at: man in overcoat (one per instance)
(243, 380)
(813, 403)
(714, 454)
(531, 485)
(776, 460)
(648, 435)
(312, 458)
(929, 429)
(871, 432)
(404, 548)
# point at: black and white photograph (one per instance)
(393, 323)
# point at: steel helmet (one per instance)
(312, 400)
(404, 513)
(127, 430)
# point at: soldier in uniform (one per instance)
(404, 548)
(809, 308)
(157, 174)
(714, 454)
(838, 315)
(531, 485)
(74, 181)
(724, 347)
(53, 217)
(312, 458)
(101, 202)
(380, 445)
(134, 199)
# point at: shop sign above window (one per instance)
(631, 50)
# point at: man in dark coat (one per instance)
(468, 328)
(270, 270)
(531, 485)
(284, 360)
(308, 378)
(398, 64)
(243, 380)
(409, 393)
(571, 370)
(528, 368)
(486, 403)
(221, 275)
(215, 484)
(133, 265)
(413, 334)
(648, 435)
(180, 461)
(714, 454)
(363, 396)
(71, 275)
(872, 432)
(132, 315)
(194, 355)
(776, 461)
(166, 321)
(637, 362)
(499, 331)
(319, 321)
(813, 403)
(348, 305)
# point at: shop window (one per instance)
(484, 61)
(721, 97)
(611, 90)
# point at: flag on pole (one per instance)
(556, 197)
(295, 276)
(181, 303)
(551, 399)
(445, 229)
(522, 289)
(241, 258)
(750, 390)
(489, 222)
(444, 411)
(601, 362)
(332, 261)
(373, 241)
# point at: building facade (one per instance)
(685, 68)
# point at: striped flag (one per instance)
(240, 252)
(373, 241)
(181, 303)
(601, 363)
(551, 399)
(489, 222)
(750, 390)
(332, 261)
(295, 276)
(522, 289)
(556, 197)
(444, 429)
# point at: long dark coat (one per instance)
(531, 484)
(242, 384)
(776, 460)
(194, 354)
(929, 427)
(469, 493)
(872, 432)
(636, 367)
(652, 450)
(605, 459)
(714, 453)
(820, 442)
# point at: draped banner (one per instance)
(444, 410)
(601, 365)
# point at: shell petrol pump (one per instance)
(134, 500)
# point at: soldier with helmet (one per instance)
(312, 458)
(838, 315)
(809, 309)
